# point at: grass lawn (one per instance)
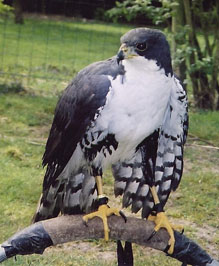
(25, 118)
(54, 49)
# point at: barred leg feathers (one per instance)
(122, 173)
(50, 202)
(77, 195)
(169, 166)
(127, 179)
(130, 182)
(88, 198)
(158, 165)
(71, 199)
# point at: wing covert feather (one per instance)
(75, 110)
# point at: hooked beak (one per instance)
(125, 52)
(121, 54)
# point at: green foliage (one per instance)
(196, 55)
(184, 51)
(205, 65)
(5, 9)
(130, 10)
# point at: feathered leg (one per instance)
(161, 221)
(104, 210)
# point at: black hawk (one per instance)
(128, 112)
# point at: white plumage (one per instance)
(145, 84)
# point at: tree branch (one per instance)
(37, 237)
(70, 228)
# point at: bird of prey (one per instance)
(130, 112)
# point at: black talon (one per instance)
(166, 249)
(123, 216)
(153, 234)
(85, 223)
(182, 231)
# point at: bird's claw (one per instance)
(152, 235)
(161, 221)
(103, 212)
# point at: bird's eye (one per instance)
(141, 46)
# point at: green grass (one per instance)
(25, 117)
(205, 125)
(24, 125)
(54, 49)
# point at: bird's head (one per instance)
(148, 43)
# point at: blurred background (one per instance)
(43, 44)
(44, 40)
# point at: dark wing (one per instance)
(158, 160)
(74, 112)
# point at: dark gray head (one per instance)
(149, 43)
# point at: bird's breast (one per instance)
(136, 103)
(134, 109)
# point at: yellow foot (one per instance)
(103, 212)
(161, 221)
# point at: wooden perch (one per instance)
(70, 228)
(37, 237)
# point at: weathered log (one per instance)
(70, 228)
(37, 237)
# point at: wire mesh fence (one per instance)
(50, 49)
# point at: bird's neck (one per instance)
(141, 64)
